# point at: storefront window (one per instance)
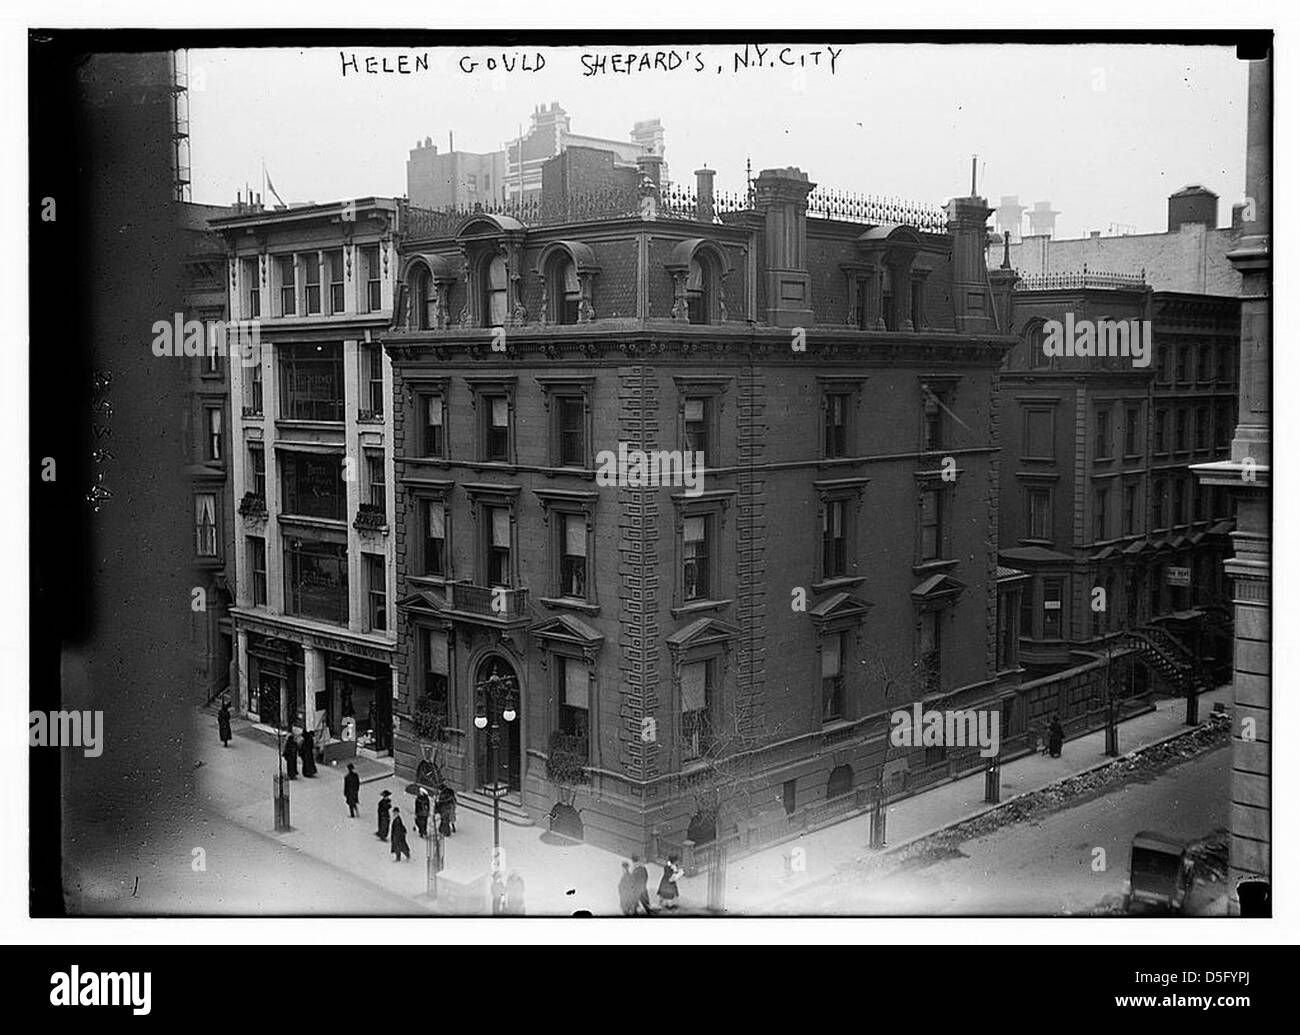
(316, 580)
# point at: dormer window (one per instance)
(698, 290)
(494, 291)
(697, 268)
(565, 290)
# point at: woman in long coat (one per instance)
(385, 807)
(1055, 738)
(223, 724)
(291, 756)
(397, 843)
(422, 812)
(308, 753)
(446, 811)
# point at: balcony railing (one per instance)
(1080, 279)
(488, 601)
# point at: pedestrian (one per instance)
(291, 756)
(626, 896)
(308, 749)
(223, 723)
(668, 884)
(352, 790)
(1055, 738)
(385, 807)
(422, 812)
(640, 886)
(498, 894)
(515, 894)
(446, 811)
(397, 843)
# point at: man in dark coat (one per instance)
(291, 756)
(422, 812)
(385, 806)
(640, 886)
(308, 753)
(446, 811)
(1055, 738)
(352, 789)
(397, 842)
(223, 724)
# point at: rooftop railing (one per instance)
(1080, 279)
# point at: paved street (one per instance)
(1041, 867)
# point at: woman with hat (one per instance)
(385, 807)
(422, 812)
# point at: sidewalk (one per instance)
(561, 879)
(756, 883)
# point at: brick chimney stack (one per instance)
(704, 195)
(968, 225)
(781, 197)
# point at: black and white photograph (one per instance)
(619, 475)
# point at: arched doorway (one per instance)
(704, 827)
(840, 782)
(508, 767)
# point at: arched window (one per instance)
(1036, 337)
(421, 298)
(494, 291)
(699, 291)
(565, 291)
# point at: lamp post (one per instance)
(495, 700)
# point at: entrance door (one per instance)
(508, 769)
(268, 698)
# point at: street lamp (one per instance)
(495, 699)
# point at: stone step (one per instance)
(511, 812)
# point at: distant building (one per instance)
(459, 179)
(1190, 255)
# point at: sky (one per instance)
(1103, 132)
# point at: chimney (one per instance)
(451, 141)
(651, 166)
(1003, 281)
(1193, 204)
(781, 197)
(704, 195)
(1042, 219)
(968, 225)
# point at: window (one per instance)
(255, 391)
(1037, 357)
(257, 469)
(435, 538)
(1159, 501)
(1131, 431)
(1130, 509)
(917, 308)
(1198, 500)
(1226, 364)
(252, 292)
(1039, 438)
(836, 436)
(698, 693)
(1101, 441)
(370, 267)
(1180, 429)
(205, 524)
(288, 285)
(494, 292)
(835, 552)
(1202, 427)
(931, 524)
(573, 556)
(1203, 363)
(1100, 524)
(935, 405)
(498, 546)
(311, 382)
(1052, 589)
(571, 421)
(372, 381)
(832, 657)
(697, 542)
(311, 281)
(1027, 611)
(436, 670)
(887, 305)
(377, 496)
(312, 485)
(257, 566)
(433, 417)
(699, 291)
(695, 424)
(1180, 498)
(214, 450)
(334, 265)
(1008, 649)
(376, 592)
(496, 428)
(1162, 426)
(1040, 513)
(1184, 363)
(575, 698)
(565, 290)
(931, 652)
(1163, 371)
(316, 580)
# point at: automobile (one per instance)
(1160, 874)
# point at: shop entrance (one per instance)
(508, 769)
(359, 689)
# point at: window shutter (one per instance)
(693, 680)
(438, 652)
(575, 683)
(693, 530)
(500, 527)
(575, 535)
